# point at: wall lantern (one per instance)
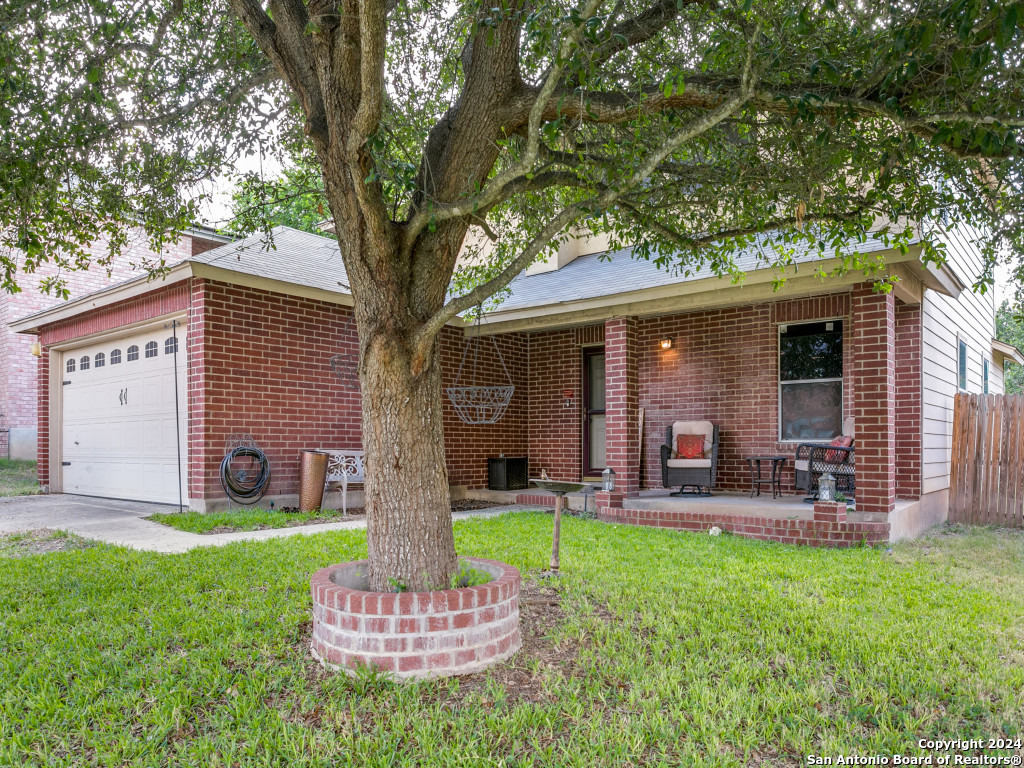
(826, 487)
(37, 349)
(608, 480)
(666, 343)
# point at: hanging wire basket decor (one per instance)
(479, 404)
(346, 369)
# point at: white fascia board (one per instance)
(1007, 351)
(102, 298)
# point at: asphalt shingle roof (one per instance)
(593, 275)
(291, 256)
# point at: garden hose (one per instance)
(243, 486)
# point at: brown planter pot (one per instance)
(312, 475)
(415, 634)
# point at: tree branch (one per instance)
(284, 41)
(523, 166)
(429, 330)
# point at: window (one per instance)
(83, 364)
(100, 360)
(151, 349)
(115, 356)
(133, 353)
(71, 365)
(961, 367)
(811, 381)
(171, 345)
(984, 380)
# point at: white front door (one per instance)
(118, 431)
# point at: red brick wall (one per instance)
(555, 431)
(43, 436)
(723, 366)
(259, 364)
(621, 349)
(467, 446)
(18, 389)
(908, 400)
(874, 397)
(265, 371)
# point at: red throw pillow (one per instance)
(836, 457)
(690, 446)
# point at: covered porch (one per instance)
(723, 366)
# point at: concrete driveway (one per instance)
(123, 523)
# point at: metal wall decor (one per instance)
(480, 404)
(346, 370)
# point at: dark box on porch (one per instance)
(508, 473)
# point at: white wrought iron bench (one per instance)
(343, 467)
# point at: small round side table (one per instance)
(757, 478)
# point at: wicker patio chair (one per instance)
(815, 459)
(690, 473)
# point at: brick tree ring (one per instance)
(415, 635)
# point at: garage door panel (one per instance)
(119, 423)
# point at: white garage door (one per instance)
(119, 418)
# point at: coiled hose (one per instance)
(243, 486)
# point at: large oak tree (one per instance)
(670, 124)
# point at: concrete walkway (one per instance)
(123, 523)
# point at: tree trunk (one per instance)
(408, 504)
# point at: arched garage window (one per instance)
(71, 365)
(115, 356)
(133, 353)
(151, 349)
(100, 360)
(83, 364)
(171, 345)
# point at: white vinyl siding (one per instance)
(945, 321)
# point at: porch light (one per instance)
(37, 349)
(826, 487)
(666, 343)
(608, 480)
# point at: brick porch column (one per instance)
(874, 398)
(622, 436)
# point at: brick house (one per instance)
(245, 333)
(18, 368)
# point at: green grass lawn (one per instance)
(18, 478)
(666, 649)
(40, 541)
(244, 520)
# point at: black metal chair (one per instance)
(686, 473)
(815, 459)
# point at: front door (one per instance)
(593, 413)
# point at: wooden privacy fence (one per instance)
(987, 471)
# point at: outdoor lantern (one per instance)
(666, 343)
(37, 349)
(826, 487)
(608, 480)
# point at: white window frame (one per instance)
(780, 382)
(961, 347)
(984, 375)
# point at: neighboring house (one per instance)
(582, 341)
(19, 369)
